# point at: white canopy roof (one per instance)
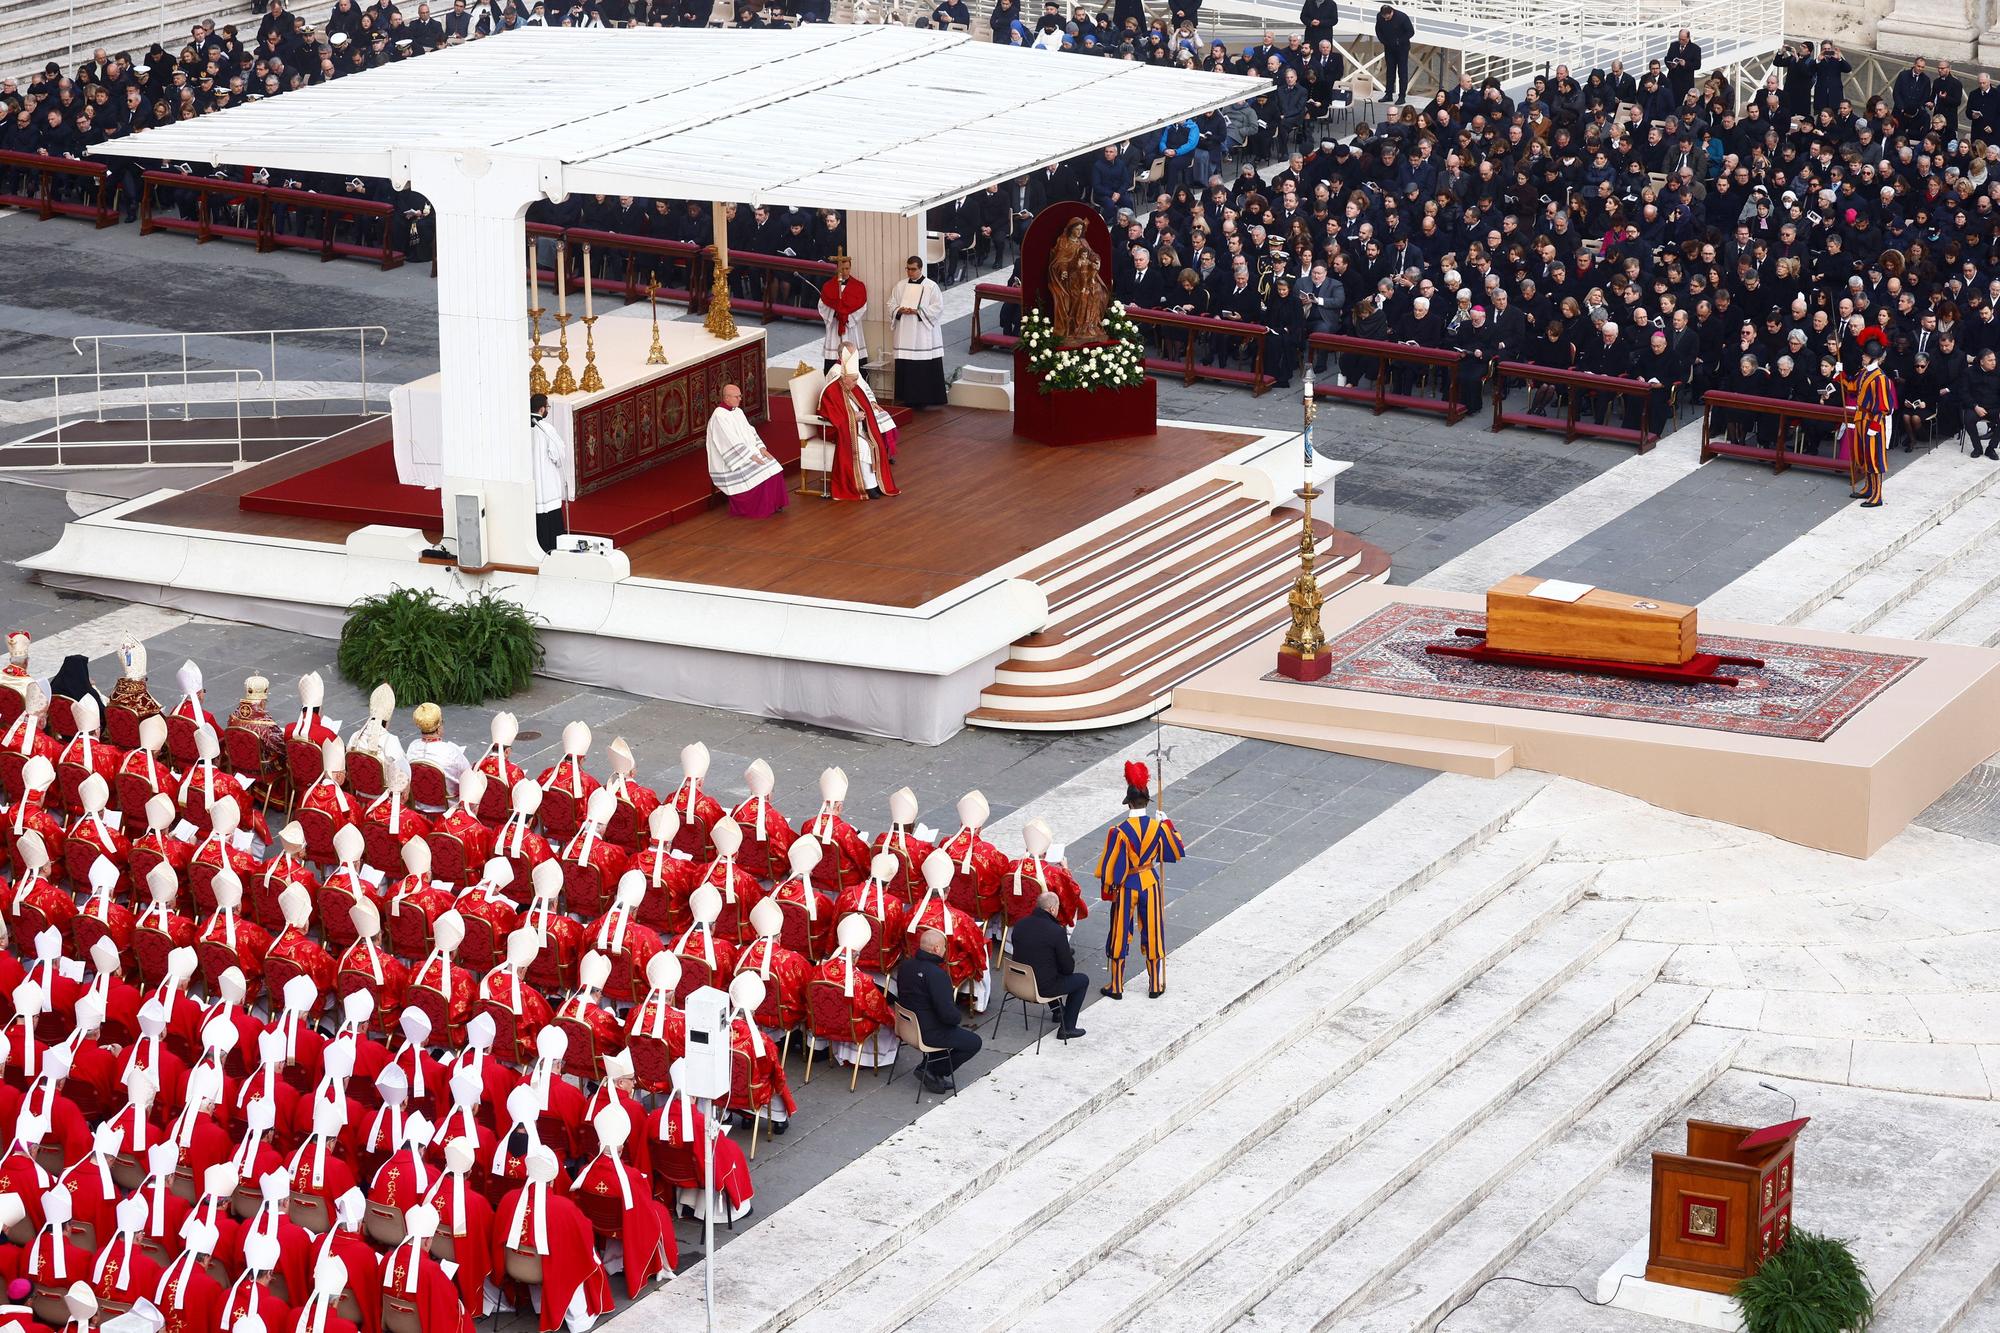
(878, 119)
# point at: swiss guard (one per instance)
(1871, 405)
(1134, 849)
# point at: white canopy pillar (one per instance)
(482, 298)
(879, 243)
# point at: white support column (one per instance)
(879, 243)
(482, 303)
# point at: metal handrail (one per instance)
(360, 332)
(97, 404)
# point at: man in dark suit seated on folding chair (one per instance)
(1040, 942)
(924, 988)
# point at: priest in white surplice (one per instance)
(919, 329)
(739, 464)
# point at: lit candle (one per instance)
(562, 277)
(534, 278)
(587, 312)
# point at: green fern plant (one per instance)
(427, 647)
(1813, 1285)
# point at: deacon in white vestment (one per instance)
(919, 327)
(739, 464)
(554, 482)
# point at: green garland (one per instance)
(1119, 364)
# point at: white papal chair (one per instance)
(815, 447)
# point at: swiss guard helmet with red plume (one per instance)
(1138, 781)
(1872, 336)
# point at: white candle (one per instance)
(534, 278)
(562, 278)
(587, 312)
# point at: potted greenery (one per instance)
(448, 652)
(1813, 1285)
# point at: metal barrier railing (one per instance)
(72, 408)
(360, 332)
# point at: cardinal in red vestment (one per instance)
(538, 1220)
(860, 462)
(410, 1274)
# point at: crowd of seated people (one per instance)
(341, 1030)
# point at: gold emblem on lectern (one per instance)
(1703, 1220)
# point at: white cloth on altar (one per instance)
(737, 458)
(416, 416)
(920, 337)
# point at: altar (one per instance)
(643, 416)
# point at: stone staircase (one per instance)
(1957, 1288)
(34, 32)
(1365, 1091)
(1139, 609)
(1925, 566)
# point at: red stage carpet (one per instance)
(361, 488)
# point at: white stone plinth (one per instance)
(1939, 29)
(1624, 1287)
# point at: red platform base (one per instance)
(1697, 670)
(1082, 416)
(362, 488)
(1293, 667)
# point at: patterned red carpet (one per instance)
(1803, 692)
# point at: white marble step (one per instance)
(1023, 1113)
(1825, 562)
(1430, 1078)
(1911, 571)
(1094, 1150)
(1434, 1012)
(1199, 551)
(1327, 1210)
(1960, 1276)
(1977, 626)
(1971, 581)
(1425, 1250)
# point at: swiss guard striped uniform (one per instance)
(1134, 849)
(1874, 408)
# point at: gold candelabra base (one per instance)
(1304, 655)
(538, 379)
(719, 323)
(656, 355)
(591, 381)
(565, 381)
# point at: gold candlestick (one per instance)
(719, 323)
(656, 355)
(1304, 655)
(565, 380)
(592, 381)
(538, 379)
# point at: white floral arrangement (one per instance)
(1117, 363)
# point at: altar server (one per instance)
(739, 464)
(554, 487)
(842, 303)
(919, 330)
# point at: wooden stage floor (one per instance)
(974, 497)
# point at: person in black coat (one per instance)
(1287, 318)
(924, 988)
(1039, 941)
(1395, 32)
(1319, 18)
(1683, 62)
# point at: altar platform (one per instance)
(1836, 743)
(890, 617)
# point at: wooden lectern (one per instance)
(1723, 1207)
